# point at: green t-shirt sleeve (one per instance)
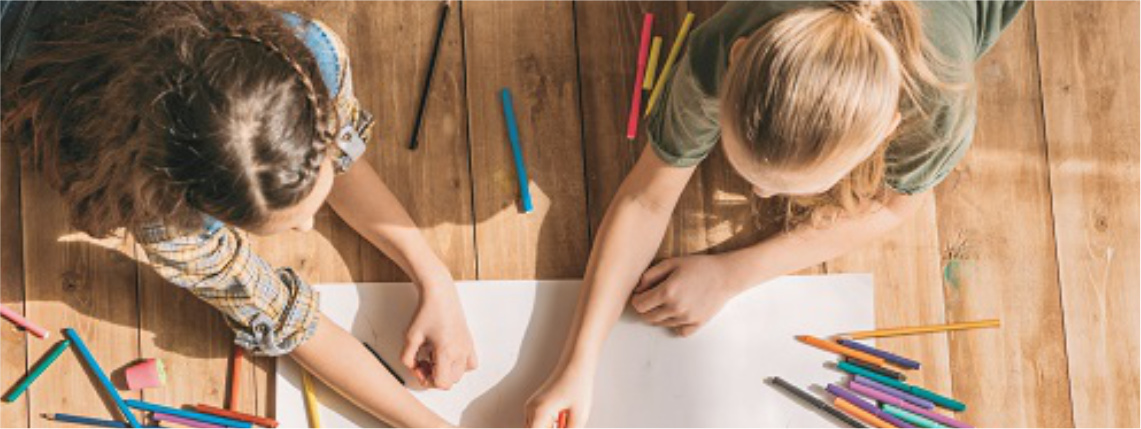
(683, 127)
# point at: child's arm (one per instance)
(629, 237)
(684, 293)
(354, 373)
(439, 328)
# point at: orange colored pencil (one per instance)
(856, 412)
(563, 415)
(839, 349)
(235, 378)
(234, 415)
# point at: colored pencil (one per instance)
(667, 68)
(851, 398)
(841, 350)
(516, 150)
(895, 332)
(163, 417)
(639, 75)
(386, 365)
(89, 421)
(235, 378)
(862, 415)
(890, 357)
(202, 417)
(93, 365)
(37, 370)
(20, 321)
(940, 400)
(652, 64)
(815, 402)
(229, 414)
(910, 417)
(564, 415)
(877, 369)
(414, 142)
(312, 409)
(883, 398)
(892, 392)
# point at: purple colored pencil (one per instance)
(183, 421)
(893, 358)
(864, 405)
(891, 391)
(929, 414)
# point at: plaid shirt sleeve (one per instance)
(272, 311)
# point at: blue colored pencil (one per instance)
(89, 421)
(516, 149)
(36, 370)
(893, 358)
(156, 408)
(85, 354)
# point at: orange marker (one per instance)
(856, 412)
(563, 416)
(838, 349)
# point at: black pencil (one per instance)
(415, 141)
(815, 402)
(877, 369)
(382, 362)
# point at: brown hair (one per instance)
(820, 83)
(158, 111)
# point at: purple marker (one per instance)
(871, 409)
(885, 398)
(888, 390)
(893, 358)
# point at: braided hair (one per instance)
(144, 112)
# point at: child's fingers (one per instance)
(657, 315)
(544, 416)
(646, 301)
(686, 330)
(444, 371)
(411, 348)
(654, 275)
(472, 361)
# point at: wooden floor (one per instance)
(1038, 226)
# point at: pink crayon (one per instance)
(23, 323)
(643, 51)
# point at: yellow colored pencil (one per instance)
(311, 406)
(668, 66)
(895, 332)
(652, 65)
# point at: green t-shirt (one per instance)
(684, 127)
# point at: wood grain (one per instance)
(527, 47)
(13, 353)
(1089, 60)
(999, 194)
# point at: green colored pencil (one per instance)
(40, 367)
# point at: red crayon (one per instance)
(643, 51)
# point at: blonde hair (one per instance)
(818, 84)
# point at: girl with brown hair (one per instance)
(188, 124)
(852, 111)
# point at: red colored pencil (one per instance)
(234, 415)
(235, 378)
(643, 51)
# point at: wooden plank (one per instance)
(14, 354)
(529, 48)
(1005, 168)
(905, 264)
(76, 282)
(1088, 54)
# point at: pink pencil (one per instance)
(643, 51)
(183, 421)
(23, 323)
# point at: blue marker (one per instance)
(206, 418)
(517, 150)
(85, 354)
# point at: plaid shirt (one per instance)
(271, 311)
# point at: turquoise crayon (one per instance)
(938, 399)
(910, 417)
(516, 150)
(37, 370)
(89, 359)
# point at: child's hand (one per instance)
(438, 348)
(683, 293)
(566, 391)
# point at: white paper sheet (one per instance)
(647, 376)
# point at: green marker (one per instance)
(37, 370)
(938, 399)
(910, 417)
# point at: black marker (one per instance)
(415, 140)
(382, 362)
